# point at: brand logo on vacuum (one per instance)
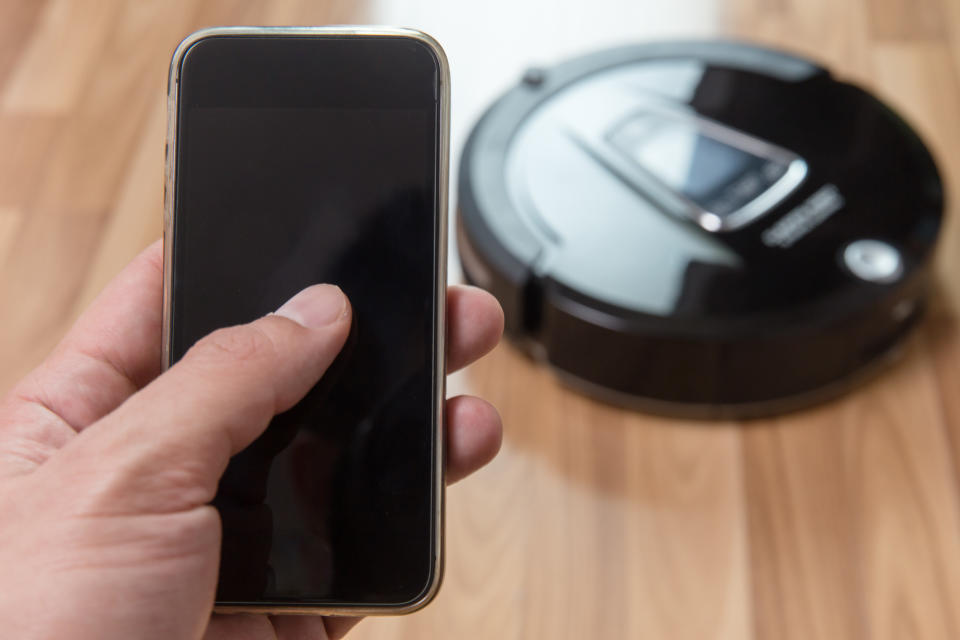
(804, 218)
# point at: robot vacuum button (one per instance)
(873, 261)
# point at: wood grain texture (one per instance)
(907, 19)
(18, 20)
(838, 522)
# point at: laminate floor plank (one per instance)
(61, 55)
(18, 20)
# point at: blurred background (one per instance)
(841, 521)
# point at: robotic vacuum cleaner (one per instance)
(708, 229)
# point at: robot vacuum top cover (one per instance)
(700, 228)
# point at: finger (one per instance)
(301, 627)
(474, 434)
(339, 626)
(474, 325)
(112, 350)
(239, 626)
(170, 443)
(292, 627)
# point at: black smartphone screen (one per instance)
(303, 160)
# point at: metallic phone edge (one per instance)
(442, 206)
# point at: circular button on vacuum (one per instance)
(873, 261)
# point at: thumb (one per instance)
(166, 447)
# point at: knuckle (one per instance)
(234, 344)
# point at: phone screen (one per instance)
(304, 160)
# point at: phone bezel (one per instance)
(441, 208)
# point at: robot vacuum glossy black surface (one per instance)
(699, 228)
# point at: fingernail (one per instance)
(315, 306)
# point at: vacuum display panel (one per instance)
(715, 175)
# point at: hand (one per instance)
(107, 467)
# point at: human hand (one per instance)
(107, 467)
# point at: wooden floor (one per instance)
(839, 522)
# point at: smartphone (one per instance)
(298, 156)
